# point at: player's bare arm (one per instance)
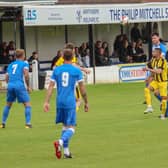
(155, 71)
(46, 105)
(84, 95)
(6, 78)
(85, 70)
(26, 76)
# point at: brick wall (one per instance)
(97, 1)
(106, 1)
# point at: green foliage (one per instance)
(114, 133)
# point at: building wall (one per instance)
(9, 32)
(47, 40)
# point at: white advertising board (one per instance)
(94, 14)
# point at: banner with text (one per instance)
(132, 72)
(94, 14)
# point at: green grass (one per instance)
(114, 134)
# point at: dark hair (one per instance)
(68, 54)
(34, 52)
(155, 34)
(158, 49)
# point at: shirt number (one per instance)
(14, 67)
(65, 79)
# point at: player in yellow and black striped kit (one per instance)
(158, 69)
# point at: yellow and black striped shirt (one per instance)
(160, 63)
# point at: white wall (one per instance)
(165, 30)
(45, 40)
(8, 33)
(78, 34)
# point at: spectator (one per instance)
(34, 56)
(106, 49)
(86, 59)
(55, 59)
(132, 50)
(85, 54)
(4, 58)
(135, 33)
(117, 46)
(78, 56)
(98, 45)
(83, 49)
(11, 51)
(136, 51)
(100, 58)
(124, 53)
(141, 57)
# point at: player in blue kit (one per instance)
(157, 44)
(17, 77)
(65, 77)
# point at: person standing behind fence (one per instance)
(16, 73)
(34, 56)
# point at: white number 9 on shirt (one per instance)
(65, 79)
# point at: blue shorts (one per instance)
(66, 116)
(20, 94)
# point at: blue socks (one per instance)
(158, 97)
(28, 114)
(66, 143)
(5, 114)
(66, 136)
(166, 114)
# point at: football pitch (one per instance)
(113, 134)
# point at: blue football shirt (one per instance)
(66, 77)
(15, 72)
(162, 47)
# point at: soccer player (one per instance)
(17, 77)
(159, 71)
(157, 44)
(60, 61)
(65, 77)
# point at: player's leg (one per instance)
(152, 86)
(66, 142)
(27, 115)
(163, 93)
(23, 97)
(157, 95)
(10, 98)
(68, 118)
(78, 98)
(166, 114)
(5, 114)
(148, 80)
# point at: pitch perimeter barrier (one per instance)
(106, 74)
(3, 84)
(112, 74)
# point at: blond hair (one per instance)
(20, 53)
